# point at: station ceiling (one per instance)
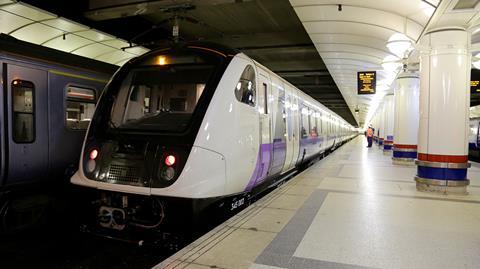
(348, 36)
(269, 31)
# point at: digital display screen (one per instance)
(367, 82)
(475, 81)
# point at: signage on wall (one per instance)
(367, 81)
(475, 81)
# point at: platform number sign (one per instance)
(367, 81)
(475, 81)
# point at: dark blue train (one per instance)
(47, 100)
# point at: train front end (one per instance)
(142, 135)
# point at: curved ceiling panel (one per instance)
(358, 14)
(28, 12)
(67, 44)
(346, 27)
(93, 50)
(357, 39)
(404, 8)
(37, 26)
(10, 22)
(30, 33)
(351, 36)
(354, 56)
(95, 35)
(353, 48)
(65, 25)
(346, 61)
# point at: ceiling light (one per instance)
(399, 44)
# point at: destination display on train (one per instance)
(367, 81)
(475, 81)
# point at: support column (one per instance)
(389, 121)
(406, 118)
(445, 62)
(375, 128)
(381, 133)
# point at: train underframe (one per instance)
(169, 222)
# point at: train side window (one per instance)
(305, 126)
(245, 89)
(313, 123)
(23, 99)
(80, 105)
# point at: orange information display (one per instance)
(367, 82)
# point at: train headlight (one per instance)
(91, 165)
(168, 174)
(93, 154)
(170, 160)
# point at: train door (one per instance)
(265, 152)
(27, 108)
(478, 134)
(291, 105)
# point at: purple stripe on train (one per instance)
(278, 148)
(279, 153)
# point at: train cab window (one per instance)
(80, 106)
(23, 99)
(245, 89)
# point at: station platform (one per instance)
(353, 209)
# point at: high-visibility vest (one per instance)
(369, 132)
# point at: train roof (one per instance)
(214, 47)
(18, 48)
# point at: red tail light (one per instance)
(170, 160)
(93, 154)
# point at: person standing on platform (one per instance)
(369, 136)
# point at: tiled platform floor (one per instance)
(353, 209)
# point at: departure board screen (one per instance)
(475, 81)
(367, 82)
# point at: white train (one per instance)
(474, 134)
(180, 133)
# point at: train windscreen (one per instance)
(161, 94)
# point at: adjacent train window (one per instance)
(245, 89)
(80, 107)
(23, 99)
